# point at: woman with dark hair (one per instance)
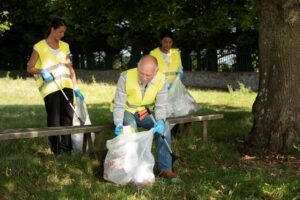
(51, 66)
(169, 60)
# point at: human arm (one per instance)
(161, 102)
(159, 127)
(32, 62)
(180, 69)
(120, 100)
(73, 78)
(33, 70)
(72, 72)
(160, 108)
(118, 129)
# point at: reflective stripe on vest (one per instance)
(171, 70)
(130, 105)
(55, 65)
(51, 69)
(135, 100)
(171, 73)
(56, 78)
(134, 106)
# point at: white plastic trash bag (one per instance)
(129, 159)
(143, 174)
(180, 101)
(77, 138)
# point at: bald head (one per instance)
(147, 68)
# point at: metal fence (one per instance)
(202, 60)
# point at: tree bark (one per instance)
(243, 59)
(186, 60)
(212, 59)
(276, 109)
(75, 60)
(134, 58)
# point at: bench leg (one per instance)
(186, 129)
(189, 129)
(100, 145)
(99, 155)
(204, 133)
(87, 142)
(84, 143)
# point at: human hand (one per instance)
(169, 86)
(79, 94)
(118, 129)
(180, 74)
(159, 127)
(46, 75)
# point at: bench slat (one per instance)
(186, 119)
(51, 131)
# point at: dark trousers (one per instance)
(59, 113)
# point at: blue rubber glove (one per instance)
(118, 129)
(169, 86)
(46, 75)
(180, 74)
(79, 94)
(159, 127)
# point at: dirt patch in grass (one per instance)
(273, 163)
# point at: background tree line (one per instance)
(108, 34)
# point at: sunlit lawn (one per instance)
(215, 170)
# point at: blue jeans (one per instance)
(164, 158)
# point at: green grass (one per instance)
(215, 170)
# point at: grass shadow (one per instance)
(214, 170)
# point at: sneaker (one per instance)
(167, 174)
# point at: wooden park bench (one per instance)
(64, 130)
(98, 130)
(189, 119)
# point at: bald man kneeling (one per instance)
(140, 88)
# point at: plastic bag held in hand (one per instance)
(180, 101)
(118, 129)
(79, 94)
(77, 138)
(129, 159)
(169, 86)
(46, 75)
(159, 127)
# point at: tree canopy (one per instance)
(98, 31)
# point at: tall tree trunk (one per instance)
(213, 60)
(186, 60)
(200, 66)
(82, 61)
(277, 107)
(109, 60)
(90, 60)
(134, 58)
(243, 59)
(75, 60)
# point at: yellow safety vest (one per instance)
(171, 70)
(56, 66)
(135, 101)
